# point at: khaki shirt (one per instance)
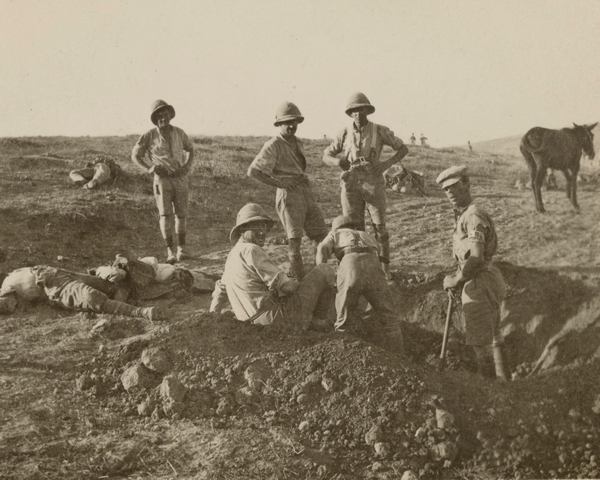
(250, 278)
(473, 225)
(166, 152)
(361, 143)
(344, 239)
(280, 158)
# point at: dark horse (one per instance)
(559, 150)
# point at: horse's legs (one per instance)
(537, 188)
(573, 188)
(533, 174)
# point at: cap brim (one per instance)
(370, 107)
(235, 234)
(449, 181)
(287, 119)
(171, 109)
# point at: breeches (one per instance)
(361, 274)
(358, 194)
(481, 302)
(171, 195)
(314, 296)
(299, 212)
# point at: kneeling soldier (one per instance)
(480, 283)
(359, 274)
(258, 291)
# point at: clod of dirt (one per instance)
(374, 435)
(172, 390)
(122, 458)
(382, 449)
(257, 375)
(137, 376)
(146, 408)
(444, 419)
(157, 360)
(444, 451)
(409, 475)
(84, 382)
(596, 406)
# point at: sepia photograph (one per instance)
(311, 239)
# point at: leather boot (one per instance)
(114, 307)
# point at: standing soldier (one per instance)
(281, 164)
(413, 139)
(171, 156)
(481, 283)
(423, 141)
(362, 182)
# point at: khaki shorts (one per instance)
(299, 212)
(171, 195)
(360, 191)
(482, 306)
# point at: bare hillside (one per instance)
(83, 396)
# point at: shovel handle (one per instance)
(446, 327)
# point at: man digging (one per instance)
(480, 283)
(281, 163)
(171, 156)
(360, 273)
(362, 181)
(261, 293)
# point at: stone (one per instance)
(444, 419)
(444, 451)
(146, 408)
(156, 359)
(382, 449)
(257, 375)
(172, 389)
(377, 467)
(329, 384)
(245, 396)
(421, 434)
(84, 382)
(101, 326)
(304, 426)
(409, 475)
(596, 406)
(374, 435)
(137, 376)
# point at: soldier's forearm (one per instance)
(139, 162)
(331, 160)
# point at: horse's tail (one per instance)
(533, 140)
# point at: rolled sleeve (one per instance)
(477, 229)
(388, 138)
(337, 145)
(266, 159)
(141, 146)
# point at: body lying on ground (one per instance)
(75, 291)
(258, 291)
(95, 174)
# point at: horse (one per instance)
(544, 148)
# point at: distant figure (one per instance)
(171, 155)
(413, 139)
(95, 173)
(470, 147)
(423, 141)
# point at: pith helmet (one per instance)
(287, 111)
(343, 221)
(251, 212)
(451, 175)
(357, 100)
(159, 105)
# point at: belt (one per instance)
(357, 250)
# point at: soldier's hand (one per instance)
(290, 184)
(344, 164)
(450, 283)
(159, 170)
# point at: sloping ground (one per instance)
(201, 396)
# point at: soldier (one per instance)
(479, 281)
(261, 293)
(423, 141)
(171, 156)
(360, 273)
(281, 163)
(95, 173)
(363, 184)
(413, 139)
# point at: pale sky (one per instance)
(453, 70)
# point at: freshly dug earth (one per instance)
(205, 396)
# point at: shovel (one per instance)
(446, 330)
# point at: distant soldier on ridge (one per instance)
(413, 139)
(362, 182)
(171, 156)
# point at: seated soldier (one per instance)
(95, 174)
(71, 290)
(258, 291)
(359, 274)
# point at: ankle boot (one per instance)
(114, 307)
